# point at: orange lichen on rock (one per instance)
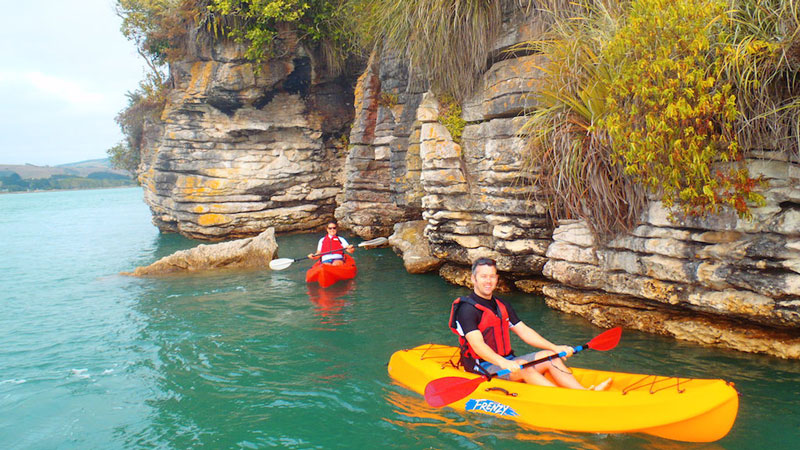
(213, 219)
(194, 188)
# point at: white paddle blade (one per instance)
(280, 263)
(374, 242)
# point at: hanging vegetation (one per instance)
(671, 117)
(762, 62)
(570, 154)
(448, 41)
(635, 103)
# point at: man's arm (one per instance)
(319, 249)
(346, 245)
(475, 339)
(534, 339)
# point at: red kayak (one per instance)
(327, 274)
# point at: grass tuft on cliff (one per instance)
(447, 41)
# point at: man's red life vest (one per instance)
(495, 329)
(331, 244)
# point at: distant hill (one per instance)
(77, 169)
(95, 173)
(102, 162)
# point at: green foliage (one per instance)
(762, 63)
(259, 23)
(450, 117)
(633, 101)
(671, 118)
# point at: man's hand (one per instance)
(512, 366)
(566, 349)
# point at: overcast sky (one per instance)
(64, 70)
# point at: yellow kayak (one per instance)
(684, 409)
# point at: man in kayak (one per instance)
(334, 244)
(482, 322)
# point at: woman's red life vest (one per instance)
(331, 244)
(495, 329)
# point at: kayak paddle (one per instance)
(283, 263)
(443, 391)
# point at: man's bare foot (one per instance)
(602, 386)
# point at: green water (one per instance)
(90, 359)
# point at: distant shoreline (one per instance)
(37, 191)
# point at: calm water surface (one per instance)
(90, 359)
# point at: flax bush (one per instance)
(570, 155)
(762, 61)
(447, 41)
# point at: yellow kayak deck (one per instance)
(684, 409)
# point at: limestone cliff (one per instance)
(241, 149)
(404, 164)
(720, 281)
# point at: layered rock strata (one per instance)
(243, 148)
(719, 280)
(239, 151)
(382, 186)
(474, 195)
(477, 200)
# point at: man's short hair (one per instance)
(483, 262)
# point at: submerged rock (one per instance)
(248, 253)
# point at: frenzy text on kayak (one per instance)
(490, 407)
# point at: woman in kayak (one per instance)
(482, 323)
(332, 247)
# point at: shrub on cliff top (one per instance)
(258, 23)
(159, 28)
(633, 99)
(670, 116)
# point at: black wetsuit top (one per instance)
(468, 317)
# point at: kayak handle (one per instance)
(510, 394)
